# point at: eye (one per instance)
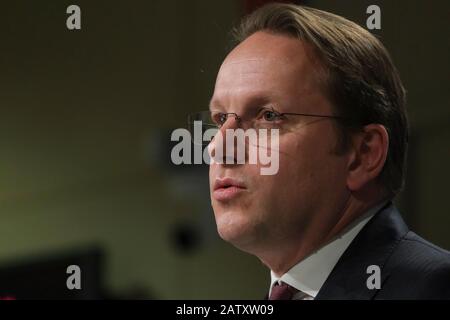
(271, 115)
(219, 118)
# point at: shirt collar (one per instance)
(310, 274)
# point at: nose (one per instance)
(232, 121)
(228, 151)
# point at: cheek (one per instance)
(308, 161)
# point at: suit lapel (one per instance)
(372, 246)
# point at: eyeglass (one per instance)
(267, 118)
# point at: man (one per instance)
(324, 224)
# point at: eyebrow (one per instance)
(253, 101)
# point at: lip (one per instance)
(227, 188)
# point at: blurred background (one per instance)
(85, 123)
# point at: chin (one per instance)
(235, 228)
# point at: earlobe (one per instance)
(369, 153)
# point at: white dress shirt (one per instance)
(310, 274)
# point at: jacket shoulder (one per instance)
(417, 269)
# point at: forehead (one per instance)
(266, 66)
(253, 72)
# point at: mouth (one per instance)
(227, 188)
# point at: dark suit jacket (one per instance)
(411, 267)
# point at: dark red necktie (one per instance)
(282, 291)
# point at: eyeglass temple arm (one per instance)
(310, 115)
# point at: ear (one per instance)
(368, 155)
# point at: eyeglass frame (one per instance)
(279, 114)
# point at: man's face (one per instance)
(268, 70)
